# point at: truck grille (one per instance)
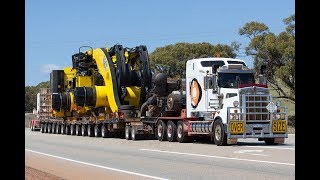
(255, 107)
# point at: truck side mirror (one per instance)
(214, 68)
(214, 83)
(262, 78)
(262, 68)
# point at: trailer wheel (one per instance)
(84, 130)
(42, 128)
(128, 132)
(171, 131)
(90, 130)
(63, 129)
(220, 137)
(162, 131)
(105, 133)
(78, 129)
(30, 126)
(269, 141)
(134, 133)
(53, 128)
(58, 128)
(49, 128)
(181, 135)
(68, 129)
(97, 131)
(72, 129)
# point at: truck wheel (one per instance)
(58, 128)
(220, 137)
(53, 128)
(90, 130)
(269, 141)
(42, 128)
(105, 133)
(78, 129)
(181, 135)
(97, 131)
(128, 132)
(84, 130)
(63, 129)
(73, 129)
(171, 131)
(162, 131)
(134, 133)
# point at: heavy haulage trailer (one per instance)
(112, 93)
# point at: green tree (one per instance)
(172, 58)
(276, 51)
(30, 95)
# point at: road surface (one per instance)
(77, 157)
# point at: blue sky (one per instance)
(54, 30)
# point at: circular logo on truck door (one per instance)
(195, 93)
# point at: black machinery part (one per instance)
(61, 101)
(126, 77)
(85, 96)
(57, 81)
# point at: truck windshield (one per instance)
(233, 80)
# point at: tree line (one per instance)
(276, 51)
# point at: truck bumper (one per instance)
(264, 132)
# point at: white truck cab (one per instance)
(223, 91)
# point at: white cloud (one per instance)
(47, 68)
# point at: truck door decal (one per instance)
(195, 93)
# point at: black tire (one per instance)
(270, 141)
(84, 130)
(171, 131)
(128, 133)
(78, 129)
(58, 128)
(68, 129)
(46, 128)
(220, 136)
(42, 128)
(90, 130)
(105, 133)
(63, 129)
(162, 131)
(53, 128)
(134, 133)
(72, 129)
(97, 130)
(49, 128)
(30, 126)
(182, 137)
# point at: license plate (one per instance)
(279, 126)
(236, 127)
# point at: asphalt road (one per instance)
(71, 157)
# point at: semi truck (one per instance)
(113, 93)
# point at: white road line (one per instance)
(99, 166)
(219, 157)
(250, 152)
(269, 147)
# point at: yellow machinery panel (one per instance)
(83, 81)
(69, 74)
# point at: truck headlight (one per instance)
(235, 103)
